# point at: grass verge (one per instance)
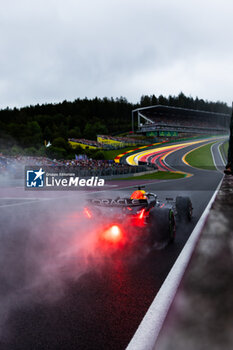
(201, 158)
(108, 155)
(159, 175)
(224, 149)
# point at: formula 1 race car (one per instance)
(140, 218)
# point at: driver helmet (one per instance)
(139, 194)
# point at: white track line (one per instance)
(213, 157)
(148, 330)
(18, 198)
(83, 193)
(223, 161)
(220, 155)
(15, 204)
(35, 200)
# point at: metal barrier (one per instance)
(108, 171)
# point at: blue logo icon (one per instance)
(35, 178)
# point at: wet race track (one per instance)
(58, 291)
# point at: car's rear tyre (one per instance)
(184, 208)
(162, 225)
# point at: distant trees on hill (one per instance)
(184, 102)
(28, 127)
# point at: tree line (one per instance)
(30, 126)
(183, 101)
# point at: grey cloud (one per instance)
(55, 50)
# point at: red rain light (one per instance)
(113, 234)
(115, 231)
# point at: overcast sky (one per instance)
(52, 50)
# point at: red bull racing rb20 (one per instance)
(142, 218)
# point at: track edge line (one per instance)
(148, 331)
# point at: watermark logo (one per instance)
(58, 178)
(35, 178)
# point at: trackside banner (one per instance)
(59, 178)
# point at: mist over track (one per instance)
(56, 292)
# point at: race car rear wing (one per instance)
(118, 202)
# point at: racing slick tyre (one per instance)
(184, 208)
(162, 225)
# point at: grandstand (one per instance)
(83, 143)
(106, 142)
(119, 142)
(171, 121)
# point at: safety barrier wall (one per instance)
(110, 171)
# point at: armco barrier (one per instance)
(115, 177)
(109, 171)
(201, 313)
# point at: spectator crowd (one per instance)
(181, 122)
(109, 142)
(14, 165)
(87, 143)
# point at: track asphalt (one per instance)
(56, 291)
